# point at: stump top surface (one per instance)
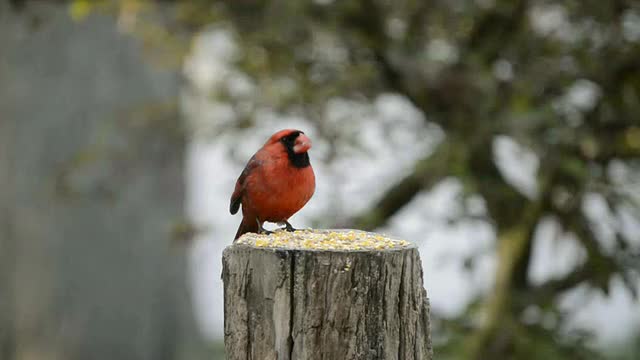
(324, 240)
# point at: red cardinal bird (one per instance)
(277, 181)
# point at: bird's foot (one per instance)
(288, 227)
(262, 230)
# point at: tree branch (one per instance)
(512, 250)
(427, 172)
(543, 294)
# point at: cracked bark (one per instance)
(298, 304)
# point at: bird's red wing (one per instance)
(236, 197)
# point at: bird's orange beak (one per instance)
(302, 144)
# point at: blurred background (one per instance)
(503, 137)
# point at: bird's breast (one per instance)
(278, 191)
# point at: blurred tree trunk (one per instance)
(91, 181)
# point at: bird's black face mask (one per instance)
(298, 160)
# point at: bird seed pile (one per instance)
(322, 240)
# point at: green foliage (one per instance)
(560, 79)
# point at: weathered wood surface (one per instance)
(306, 304)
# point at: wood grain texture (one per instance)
(302, 304)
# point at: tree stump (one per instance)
(308, 299)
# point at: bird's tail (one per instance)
(246, 226)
